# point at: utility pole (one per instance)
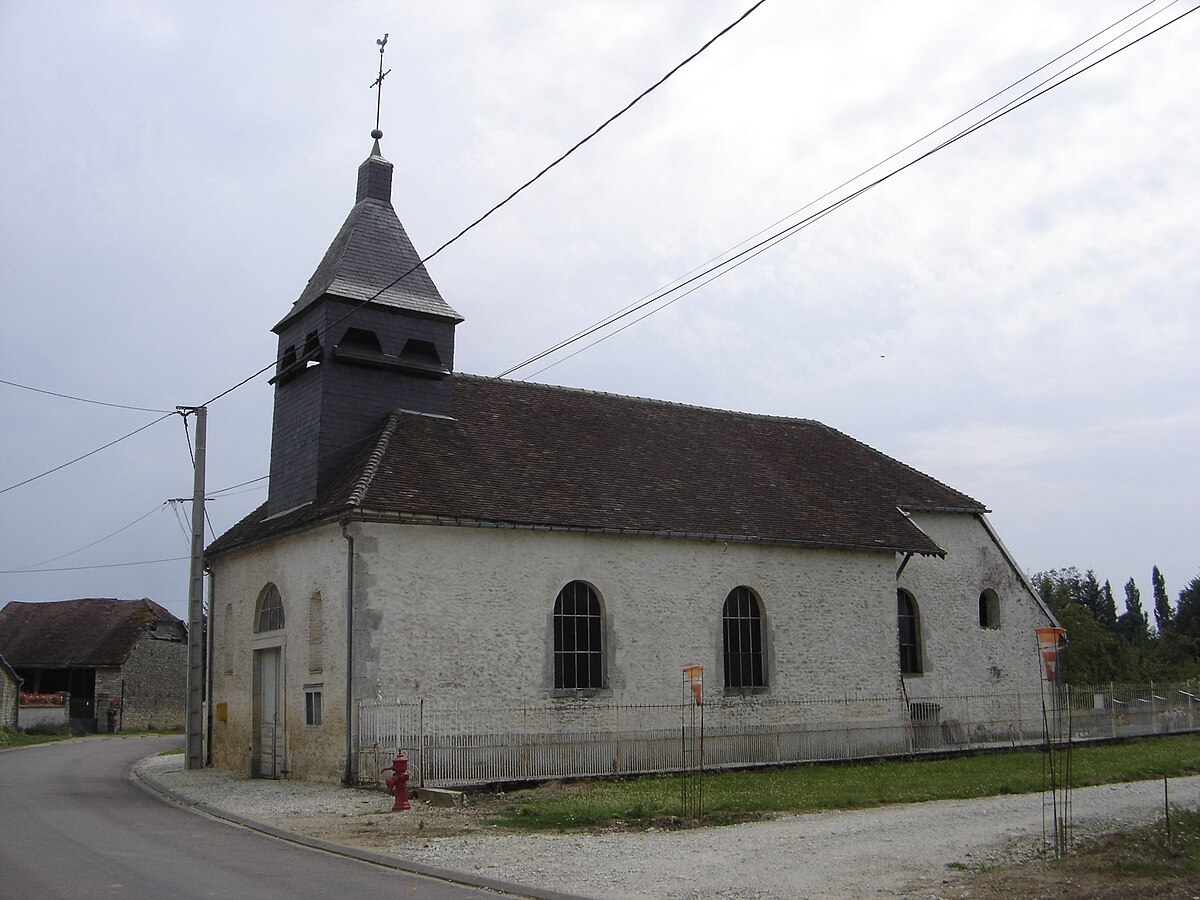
(194, 718)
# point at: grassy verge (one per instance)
(12, 738)
(736, 796)
(1143, 862)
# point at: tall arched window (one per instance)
(578, 638)
(268, 614)
(741, 630)
(909, 627)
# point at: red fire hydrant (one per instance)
(397, 782)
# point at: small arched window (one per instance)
(578, 638)
(268, 615)
(741, 639)
(909, 627)
(989, 609)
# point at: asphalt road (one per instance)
(73, 824)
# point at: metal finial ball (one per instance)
(377, 134)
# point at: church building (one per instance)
(463, 540)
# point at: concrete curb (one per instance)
(153, 785)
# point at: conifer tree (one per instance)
(1162, 604)
(1133, 624)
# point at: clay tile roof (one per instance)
(531, 455)
(76, 633)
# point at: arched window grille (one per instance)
(578, 638)
(742, 643)
(909, 628)
(269, 614)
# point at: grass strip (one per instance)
(737, 796)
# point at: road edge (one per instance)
(468, 879)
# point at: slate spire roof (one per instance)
(372, 250)
(525, 455)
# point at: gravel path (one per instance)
(889, 851)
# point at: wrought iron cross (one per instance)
(378, 84)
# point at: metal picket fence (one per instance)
(452, 745)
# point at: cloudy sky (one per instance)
(1014, 315)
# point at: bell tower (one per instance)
(368, 335)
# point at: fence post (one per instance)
(421, 739)
(524, 740)
(846, 724)
(617, 731)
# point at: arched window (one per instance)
(741, 629)
(578, 638)
(910, 633)
(989, 609)
(268, 614)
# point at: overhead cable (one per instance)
(89, 453)
(26, 387)
(729, 263)
(144, 562)
(511, 196)
(675, 284)
(93, 543)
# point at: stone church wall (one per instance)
(464, 615)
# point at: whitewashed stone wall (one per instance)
(298, 566)
(9, 695)
(464, 615)
(958, 655)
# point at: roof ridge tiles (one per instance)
(674, 404)
(373, 462)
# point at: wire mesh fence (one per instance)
(465, 745)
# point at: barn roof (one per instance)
(76, 633)
(516, 454)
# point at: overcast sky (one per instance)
(1015, 315)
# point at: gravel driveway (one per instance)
(907, 850)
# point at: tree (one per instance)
(1162, 604)
(1108, 607)
(1133, 625)
(1187, 613)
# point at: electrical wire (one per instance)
(89, 453)
(26, 387)
(421, 262)
(192, 456)
(144, 562)
(738, 259)
(674, 284)
(213, 494)
(93, 543)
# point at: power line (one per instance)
(212, 494)
(674, 284)
(86, 455)
(26, 387)
(192, 457)
(728, 263)
(511, 196)
(144, 562)
(93, 543)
